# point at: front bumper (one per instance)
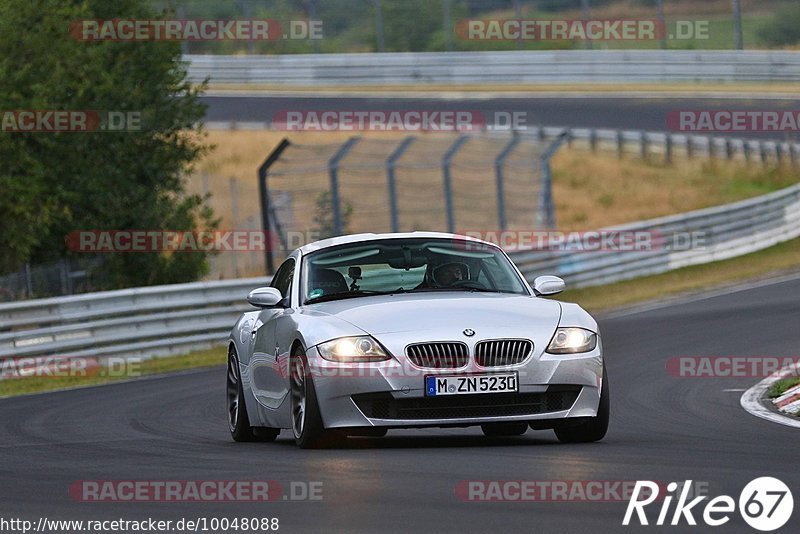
(392, 393)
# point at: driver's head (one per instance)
(448, 274)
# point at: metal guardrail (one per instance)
(727, 231)
(471, 68)
(170, 319)
(143, 322)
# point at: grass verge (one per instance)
(201, 358)
(780, 258)
(781, 386)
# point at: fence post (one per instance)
(620, 144)
(391, 166)
(263, 192)
(689, 147)
(546, 213)
(593, 140)
(447, 159)
(746, 150)
(668, 149)
(779, 152)
(234, 221)
(793, 148)
(499, 161)
(333, 171)
(28, 281)
(728, 148)
(762, 148)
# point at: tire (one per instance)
(307, 426)
(592, 428)
(238, 421)
(493, 430)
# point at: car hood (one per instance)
(445, 311)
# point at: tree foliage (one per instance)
(52, 184)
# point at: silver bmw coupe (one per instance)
(363, 333)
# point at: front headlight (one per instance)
(352, 350)
(572, 340)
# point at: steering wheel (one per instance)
(468, 283)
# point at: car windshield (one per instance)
(405, 266)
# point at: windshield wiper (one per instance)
(472, 289)
(346, 295)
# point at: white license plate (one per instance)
(438, 385)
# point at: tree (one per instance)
(324, 225)
(54, 183)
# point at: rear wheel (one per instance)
(592, 428)
(238, 422)
(307, 426)
(504, 429)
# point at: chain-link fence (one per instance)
(433, 182)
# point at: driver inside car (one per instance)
(448, 274)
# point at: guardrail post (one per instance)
(746, 149)
(643, 146)
(668, 149)
(333, 171)
(779, 152)
(391, 166)
(263, 192)
(447, 159)
(793, 148)
(620, 144)
(689, 147)
(499, 161)
(593, 140)
(728, 148)
(762, 149)
(546, 213)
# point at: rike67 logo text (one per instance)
(766, 504)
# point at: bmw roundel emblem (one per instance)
(469, 332)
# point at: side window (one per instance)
(282, 281)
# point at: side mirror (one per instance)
(264, 297)
(548, 285)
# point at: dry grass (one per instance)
(778, 259)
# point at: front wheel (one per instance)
(307, 426)
(593, 428)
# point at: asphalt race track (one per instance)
(634, 113)
(663, 428)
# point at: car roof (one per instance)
(365, 238)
